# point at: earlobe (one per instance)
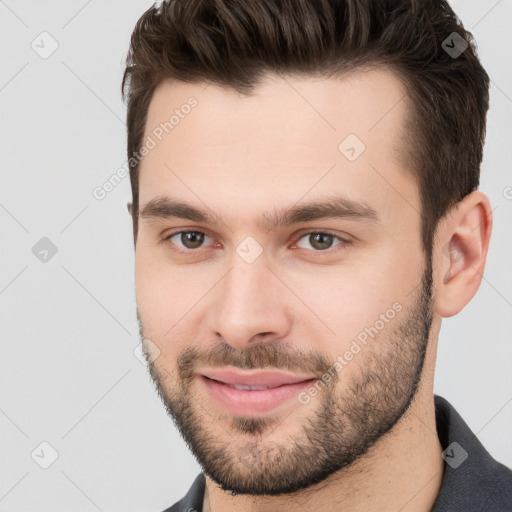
(464, 239)
(129, 207)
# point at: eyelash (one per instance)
(343, 242)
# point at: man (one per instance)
(306, 211)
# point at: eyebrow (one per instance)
(329, 207)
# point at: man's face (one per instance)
(344, 300)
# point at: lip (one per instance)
(243, 402)
(270, 379)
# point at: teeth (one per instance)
(247, 387)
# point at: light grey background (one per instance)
(68, 373)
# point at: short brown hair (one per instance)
(234, 43)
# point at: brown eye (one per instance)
(188, 239)
(320, 241)
(192, 239)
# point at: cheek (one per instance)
(157, 291)
(341, 302)
(167, 299)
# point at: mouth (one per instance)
(245, 387)
(253, 393)
(256, 379)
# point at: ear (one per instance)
(461, 250)
(129, 206)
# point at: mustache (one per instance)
(260, 356)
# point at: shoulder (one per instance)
(473, 480)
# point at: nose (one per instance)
(250, 306)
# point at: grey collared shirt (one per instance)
(472, 481)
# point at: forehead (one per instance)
(297, 108)
(293, 136)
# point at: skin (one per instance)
(297, 307)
